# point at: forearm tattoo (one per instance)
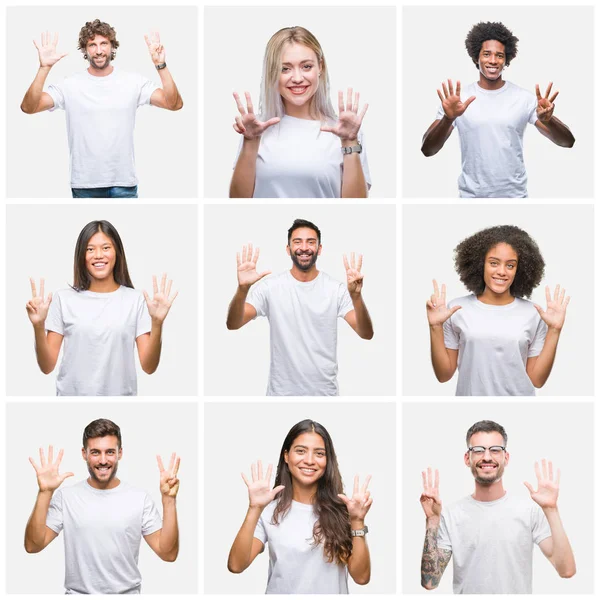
(434, 560)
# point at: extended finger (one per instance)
(429, 477)
(355, 489)
(436, 484)
(352, 260)
(445, 88)
(171, 462)
(172, 298)
(253, 472)
(260, 469)
(249, 251)
(346, 265)
(349, 99)
(33, 464)
(548, 299)
(42, 458)
(537, 92)
(42, 288)
(249, 103)
(450, 87)
(567, 299)
(161, 467)
(557, 477)
(176, 467)
(544, 468)
(562, 296)
(50, 454)
(550, 471)
(553, 97)
(436, 289)
(163, 283)
(269, 473)
(239, 104)
(169, 284)
(340, 102)
(548, 90)
(556, 292)
(33, 290)
(245, 480)
(359, 264)
(424, 478)
(355, 105)
(363, 112)
(458, 88)
(468, 101)
(154, 284)
(440, 95)
(272, 121)
(365, 486)
(529, 487)
(256, 255)
(244, 254)
(538, 473)
(59, 457)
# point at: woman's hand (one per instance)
(248, 124)
(37, 307)
(349, 120)
(437, 311)
(359, 503)
(556, 311)
(159, 305)
(259, 490)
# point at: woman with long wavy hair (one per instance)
(316, 534)
(296, 146)
(101, 319)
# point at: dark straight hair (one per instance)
(81, 276)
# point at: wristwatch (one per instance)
(359, 532)
(160, 66)
(351, 149)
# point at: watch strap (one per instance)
(359, 532)
(160, 66)
(351, 149)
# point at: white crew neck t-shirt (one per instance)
(297, 160)
(492, 543)
(296, 565)
(103, 531)
(491, 141)
(99, 340)
(303, 330)
(100, 114)
(494, 343)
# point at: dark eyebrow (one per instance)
(306, 447)
(311, 239)
(509, 260)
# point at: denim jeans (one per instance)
(105, 192)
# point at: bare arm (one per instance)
(168, 97)
(354, 184)
(549, 125)
(359, 318)
(240, 312)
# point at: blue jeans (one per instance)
(105, 192)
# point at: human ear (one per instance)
(285, 457)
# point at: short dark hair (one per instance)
(93, 28)
(469, 259)
(482, 32)
(303, 223)
(486, 427)
(101, 428)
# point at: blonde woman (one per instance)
(296, 146)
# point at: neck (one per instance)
(488, 493)
(109, 485)
(104, 286)
(299, 112)
(100, 72)
(490, 84)
(300, 275)
(491, 297)
(304, 495)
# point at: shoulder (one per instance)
(267, 513)
(463, 301)
(526, 306)
(517, 90)
(272, 281)
(65, 294)
(70, 491)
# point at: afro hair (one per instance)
(482, 32)
(469, 259)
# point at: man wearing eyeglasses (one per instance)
(491, 533)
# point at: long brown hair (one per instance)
(81, 276)
(332, 528)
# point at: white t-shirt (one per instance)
(103, 531)
(492, 543)
(303, 322)
(100, 121)
(99, 340)
(494, 343)
(296, 565)
(297, 160)
(491, 141)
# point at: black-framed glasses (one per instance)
(480, 450)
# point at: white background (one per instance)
(555, 44)
(433, 435)
(145, 432)
(166, 148)
(237, 362)
(359, 44)
(363, 445)
(157, 239)
(565, 237)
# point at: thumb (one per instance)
(278, 489)
(146, 296)
(327, 128)
(529, 487)
(49, 298)
(469, 100)
(272, 121)
(539, 309)
(65, 475)
(263, 274)
(343, 498)
(454, 309)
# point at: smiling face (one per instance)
(100, 256)
(500, 268)
(99, 52)
(487, 467)
(102, 455)
(306, 459)
(299, 77)
(304, 248)
(492, 60)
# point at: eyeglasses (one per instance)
(480, 450)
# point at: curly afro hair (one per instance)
(93, 28)
(482, 32)
(469, 259)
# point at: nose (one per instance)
(309, 458)
(297, 76)
(487, 454)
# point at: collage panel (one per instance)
(127, 489)
(310, 448)
(124, 302)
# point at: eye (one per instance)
(284, 69)
(308, 67)
(300, 450)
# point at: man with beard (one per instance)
(302, 306)
(100, 104)
(103, 518)
(491, 533)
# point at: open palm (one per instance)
(349, 119)
(48, 477)
(359, 503)
(430, 497)
(452, 104)
(47, 52)
(160, 303)
(260, 492)
(248, 124)
(556, 308)
(546, 494)
(246, 267)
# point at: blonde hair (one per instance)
(271, 104)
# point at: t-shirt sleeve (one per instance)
(260, 533)
(344, 301)
(56, 92)
(54, 518)
(540, 528)
(258, 297)
(539, 338)
(147, 88)
(151, 519)
(363, 159)
(54, 320)
(144, 322)
(532, 109)
(451, 336)
(443, 537)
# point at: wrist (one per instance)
(255, 509)
(357, 523)
(251, 143)
(550, 509)
(157, 324)
(436, 326)
(449, 119)
(45, 493)
(168, 500)
(40, 326)
(432, 522)
(349, 141)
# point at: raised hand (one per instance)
(259, 489)
(37, 307)
(437, 311)
(349, 119)
(47, 52)
(159, 305)
(359, 503)
(353, 275)
(451, 103)
(246, 267)
(545, 105)
(156, 49)
(556, 308)
(169, 482)
(547, 493)
(48, 477)
(248, 124)
(430, 498)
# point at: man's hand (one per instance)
(248, 124)
(156, 49)
(47, 50)
(359, 503)
(545, 105)
(37, 307)
(349, 119)
(48, 477)
(160, 303)
(451, 103)
(354, 277)
(556, 308)
(430, 498)
(169, 483)
(246, 267)
(260, 492)
(437, 311)
(547, 493)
